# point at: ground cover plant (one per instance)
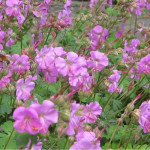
(74, 81)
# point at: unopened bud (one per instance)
(4, 72)
(11, 88)
(136, 113)
(61, 130)
(18, 103)
(87, 128)
(71, 138)
(60, 100)
(130, 106)
(66, 115)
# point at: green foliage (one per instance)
(7, 136)
(22, 139)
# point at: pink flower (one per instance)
(86, 140)
(144, 65)
(20, 64)
(76, 119)
(91, 111)
(45, 57)
(144, 119)
(5, 80)
(120, 32)
(2, 35)
(114, 79)
(68, 4)
(26, 120)
(14, 10)
(50, 74)
(47, 114)
(24, 87)
(64, 17)
(98, 35)
(92, 3)
(64, 65)
(98, 60)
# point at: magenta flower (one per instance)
(144, 65)
(120, 32)
(64, 17)
(50, 74)
(92, 3)
(5, 80)
(132, 48)
(14, 10)
(144, 119)
(20, 64)
(68, 4)
(45, 57)
(98, 35)
(91, 111)
(47, 114)
(114, 79)
(2, 35)
(26, 120)
(76, 119)
(64, 65)
(24, 87)
(98, 60)
(86, 140)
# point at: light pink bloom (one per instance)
(24, 87)
(19, 64)
(144, 65)
(47, 114)
(114, 79)
(98, 60)
(97, 36)
(86, 140)
(26, 120)
(64, 17)
(45, 57)
(5, 80)
(14, 10)
(120, 32)
(91, 111)
(144, 119)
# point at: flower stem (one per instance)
(9, 138)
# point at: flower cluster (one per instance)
(54, 61)
(36, 118)
(86, 140)
(81, 114)
(130, 50)
(64, 15)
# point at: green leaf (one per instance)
(22, 139)
(112, 12)
(5, 108)
(7, 136)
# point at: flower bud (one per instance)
(66, 115)
(18, 103)
(71, 139)
(61, 130)
(60, 100)
(33, 67)
(11, 88)
(4, 72)
(136, 113)
(87, 128)
(130, 106)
